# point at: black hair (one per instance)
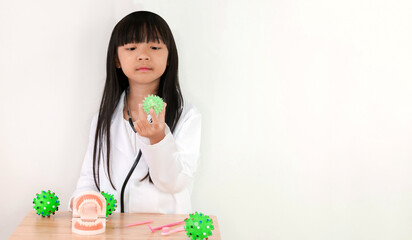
(137, 27)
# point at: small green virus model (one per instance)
(198, 226)
(153, 101)
(46, 203)
(111, 203)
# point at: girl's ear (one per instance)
(116, 61)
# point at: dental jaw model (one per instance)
(89, 213)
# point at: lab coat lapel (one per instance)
(120, 139)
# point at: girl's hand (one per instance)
(154, 131)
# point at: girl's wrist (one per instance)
(157, 139)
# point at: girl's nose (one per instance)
(143, 57)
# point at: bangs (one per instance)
(140, 30)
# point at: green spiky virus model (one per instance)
(152, 101)
(46, 203)
(111, 203)
(198, 226)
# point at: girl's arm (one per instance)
(173, 161)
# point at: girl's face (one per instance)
(143, 62)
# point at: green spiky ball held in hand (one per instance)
(111, 203)
(153, 101)
(198, 226)
(46, 203)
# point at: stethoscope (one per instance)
(135, 162)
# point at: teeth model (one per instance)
(89, 213)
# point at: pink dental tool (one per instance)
(168, 225)
(166, 230)
(138, 223)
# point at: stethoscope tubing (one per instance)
(135, 162)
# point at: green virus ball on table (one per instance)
(111, 203)
(153, 101)
(46, 203)
(198, 226)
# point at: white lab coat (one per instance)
(172, 163)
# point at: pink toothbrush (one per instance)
(138, 223)
(166, 230)
(168, 225)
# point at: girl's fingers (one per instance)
(163, 113)
(155, 121)
(142, 115)
(142, 125)
(138, 128)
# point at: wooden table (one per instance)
(59, 226)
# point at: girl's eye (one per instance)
(131, 49)
(155, 48)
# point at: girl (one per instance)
(146, 161)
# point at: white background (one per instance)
(306, 105)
